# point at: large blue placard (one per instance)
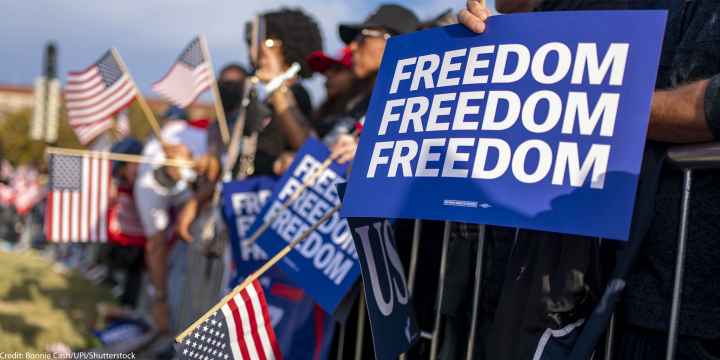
(537, 123)
(325, 264)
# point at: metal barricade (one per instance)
(687, 158)
(434, 336)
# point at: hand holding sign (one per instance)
(344, 148)
(474, 15)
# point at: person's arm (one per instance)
(513, 6)
(686, 114)
(293, 123)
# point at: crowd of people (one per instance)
(533, 280)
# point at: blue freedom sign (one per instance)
(389, 303)
(538, 123)
(325, 264)
(242, 202)
(302, 328)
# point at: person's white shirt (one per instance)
(154, 200)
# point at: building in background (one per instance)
(15, 98)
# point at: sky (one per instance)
(150, 34)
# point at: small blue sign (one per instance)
(302, 328)
(537, 123)
(325, 264)
(242, 201)
(389, 303)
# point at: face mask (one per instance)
(231, 93)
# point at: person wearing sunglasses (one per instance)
(367, 43)
(290, 36)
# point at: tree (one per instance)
(18, 148)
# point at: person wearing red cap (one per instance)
(344, 91)
(367, 41)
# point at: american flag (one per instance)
(78, 199)
(240, 330)
(94, 95)
(29, 192)
(188, 77)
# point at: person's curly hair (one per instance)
(299, 33)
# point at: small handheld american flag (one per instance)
(188, 77)
(94, 95)
(240, 330)
(29, 192)
(78, 198)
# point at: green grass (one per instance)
(39, 306)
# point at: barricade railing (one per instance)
(687, 158)
(434, 335)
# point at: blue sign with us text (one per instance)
(389, 303)
(537, 123)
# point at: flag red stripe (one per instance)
(87, 76)
(81, 72)
(253, 324)
(83, 95)
(96, 181)
(319, 318)
(90, 198)
(86, 134)
(63, 224)
(84, 86)
(93, 199)
(76, 216)
(238, 329)
(105, 183)
(84, 202)
(48, 219)
(266, 317)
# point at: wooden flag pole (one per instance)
(291, 200)
(118, 157)
(141, 99)
(219, 110)
(258, 273)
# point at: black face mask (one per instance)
(231, 93)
